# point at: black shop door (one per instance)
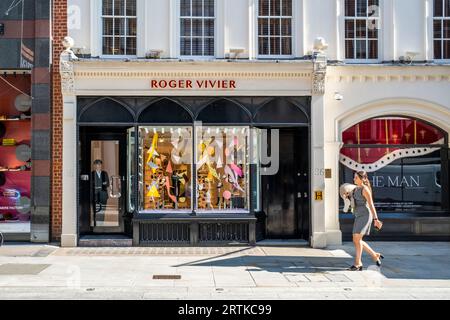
(103, 162)
(285, 195)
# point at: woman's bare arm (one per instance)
(368, 195)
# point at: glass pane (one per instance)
(361, 9)
(263, 46)
(209, 47)
(107, 9)
(105, 184)
(209, 27)
(438, 10)
(447, 8)
(185, 46)
(197, 8)
(185, 8)
(446, 30)
(197, 27)
(209, 8)
(108, 45)
(185, 27)
(131, 169)
(372, 28)
(131, 7)
(286, 27)
(287, 8)
(275, 7)
(437, 29)
(350, 8)
(108, 26)
(119, 44)
(373, 49)
(438, 49)
(349, 28)
(131, 45)
(446, 45)
(119, 7)
(286, 45)
(166, 168)
(263, 27)
(394, 130)
(275, 43)
(222, 168)
(361, 29)
(409, 184)
(119, 26)
(361, 50)
(373, 9)
(263, 7)
(197, 47)
(349, 49)
(275, 27)
(131, 28)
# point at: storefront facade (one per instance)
(164, 129)
(176, 98)
(25, 121)
(397, 130)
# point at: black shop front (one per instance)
(193, 170)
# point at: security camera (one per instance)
(338, 96)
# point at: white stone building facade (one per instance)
(342, 62)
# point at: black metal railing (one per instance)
(224, 232)
(164, 233)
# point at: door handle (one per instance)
(115, 187)
(299, 195)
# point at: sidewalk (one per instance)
(411, 270)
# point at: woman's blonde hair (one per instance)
(365, 179)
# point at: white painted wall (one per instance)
(404, 22)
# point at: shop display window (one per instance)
(165, 168)
(404, 160)
(222, 168)
(15, 159)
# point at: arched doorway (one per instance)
(106, 134)
(285, 199)
(407, 162)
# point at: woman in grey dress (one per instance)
(365, 214)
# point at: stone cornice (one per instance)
(352, 78)
(221, 70)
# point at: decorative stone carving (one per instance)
(320, 66)
(319, 74)
(66, 66)
(320, 45)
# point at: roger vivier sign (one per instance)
(190, 84)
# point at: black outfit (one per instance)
(100, 192)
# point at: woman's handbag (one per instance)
(379, 228)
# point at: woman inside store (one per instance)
(365, 214)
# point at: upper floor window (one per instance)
(362, 23)
(197, 24)
(441, 29)
(275, 27)
(119, 27)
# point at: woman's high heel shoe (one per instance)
(355, 268)
(379, 260)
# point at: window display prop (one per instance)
(222, 168)
(165, 164)
(15, 171)
(15, 152)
